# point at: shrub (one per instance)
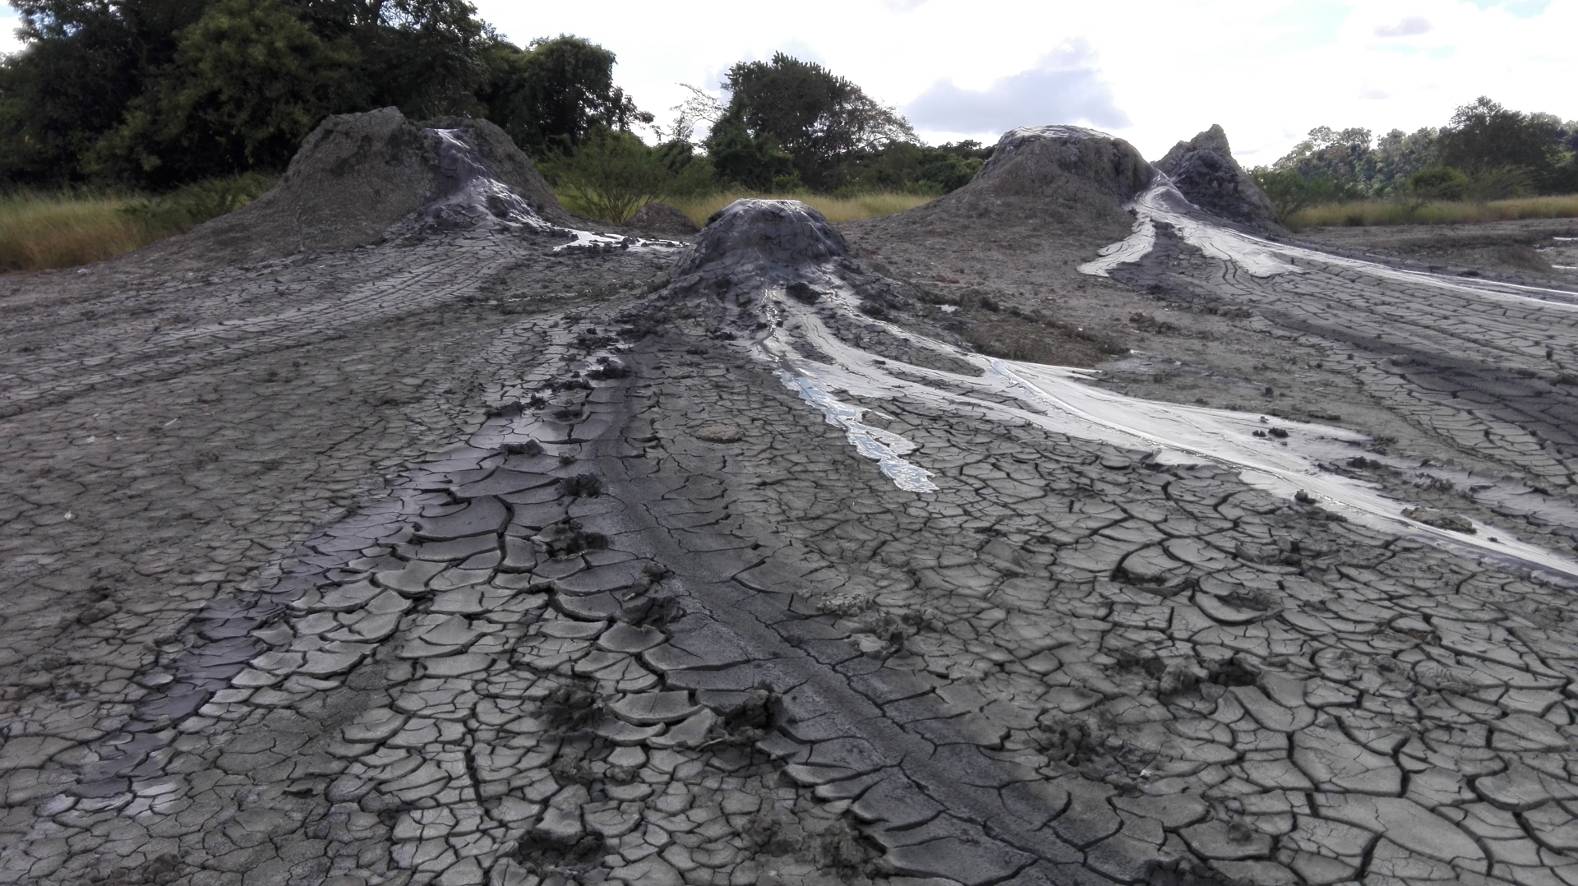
(1500, 183)
(613, 174)
(196, 203)
(1438, 183)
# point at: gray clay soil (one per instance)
(437, 553)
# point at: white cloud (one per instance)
(1405, 27)
(1065, 86)
(9, 22)
(1267, 70)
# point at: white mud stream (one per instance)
(483, 195)
(1163, 203)
(1056, 399)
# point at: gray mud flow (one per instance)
(460, 556)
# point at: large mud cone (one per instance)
(1060, 180)
(1065, 166)
(1203, 169)
(358, 175)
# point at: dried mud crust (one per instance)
(554, 582)
(1518, 250)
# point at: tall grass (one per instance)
(61, 229)
(40, 231)
(1362, 213)
(836, 209)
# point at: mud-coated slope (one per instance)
(356, 176)
(1203, 169)
(1046, 179)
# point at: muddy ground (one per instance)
(458, 559)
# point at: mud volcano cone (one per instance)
(769, 239)
(1065, 181)
(1203, 170)
(358, 175)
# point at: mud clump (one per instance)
(1203, 169)
(357, 175)
(1440, 519)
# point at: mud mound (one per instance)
(1204, 170)
(358, 175)
(1059, 163)
(663, 220)
(1042, 179)
(772, 239)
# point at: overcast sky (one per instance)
(1152, 72)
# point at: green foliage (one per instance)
(609, 177)
(1485, 154)
(555, 93)
(613, 174)
(1290, 191)
(248, 81)
(1500, 183)
(787, 108)
(1483, 135)
(919, 169)
(753, 161)
(198, 202)
(75, 226)
(1446, 212)
(161, 92)
(1438, 183)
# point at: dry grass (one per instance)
(836, 209)
(1362, 213)
(39, 231)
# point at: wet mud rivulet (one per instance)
(455, 542)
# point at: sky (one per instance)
(1150, 72)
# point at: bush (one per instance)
(613, 174)
(1500, 183)
(1438, 183)
(196, 203)
(1291, 192)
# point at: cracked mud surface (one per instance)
(459, 560)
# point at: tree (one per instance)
(1289, 190)
(249, 80)
(70, 84)
(1483, 135)
(1345, 158)
(555, 93)
(804, 111)
(1439, 183)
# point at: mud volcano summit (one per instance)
(1076, 527)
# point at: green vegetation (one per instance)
(109, 99)
(837, 209)
(160, 93)
(1355, 213)
(61, 229)
(1477, 167)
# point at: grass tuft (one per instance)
(42, 230)
(39, 231)
(1364, 213)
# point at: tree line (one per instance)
(162, 92)
(1485, 152)
(155, 94)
